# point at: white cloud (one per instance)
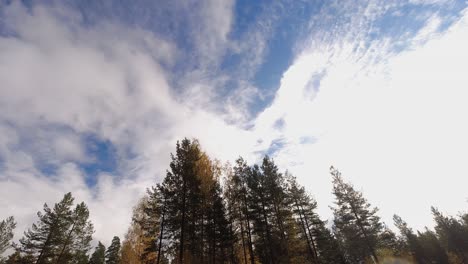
(62, 81)
(393, 125)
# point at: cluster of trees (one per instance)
(205, 212)
(63, 234)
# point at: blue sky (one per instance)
(94, 94)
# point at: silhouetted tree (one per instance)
(356, 222)
(113, 251)
(99, 254)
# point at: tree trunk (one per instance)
(38, 261)
(242, 236)
(161, 233)
(267, 228)
(66, 243)
(249, 232)
(305, 232)
(358, 220)
(314, 248)
(182, 225)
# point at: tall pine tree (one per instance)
(355, 221)
(113, 251)
(6, 233)
(99, 254)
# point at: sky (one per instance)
(95, 94)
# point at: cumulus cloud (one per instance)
(62, 82)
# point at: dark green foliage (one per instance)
(6, 233)
(78, 238)
(61, 235)
(43, 240)
(183, 199)
(411, 241)
(322, 247)
(189, 210)
(452, 234)
(259, 216)
(18, 258)
(99, 254)
(433, 252)
(113, 251)
(356, 223)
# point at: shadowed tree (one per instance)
(113, 251)
(99, 254)
(355, 221)
(6, 233)
(452, 234)
(46, 236)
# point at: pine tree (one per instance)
(433, 252)
(61, 235)
(182, 199)
(260, 214)
(18, 258)
(411, 240)
(239, 206)
(452, 234)
(321, 246)
(356, 222)
(43, 241)
(6, 233)
(78, 238)
(280, 208)
(99, 254)
(113, 251)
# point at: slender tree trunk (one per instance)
(249, 231)
(214, 237)
(242, 236)
(66, 243)
(305, 232)
(38, 261)
(182, 225)
(202, 230)
(267, 228)
(312, 242)
(358, 220)
(161, 233)
(231, 242)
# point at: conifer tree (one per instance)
(260, 213)
(452, 235)
(321, 246)
(61, 235)
(43, 241)
(99, 254)
(78, 237)
(356, 222)
(239, 205)
(113, 251)
(411, 240)
(433, 252)
(6, 233)
(182, 189)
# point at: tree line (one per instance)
(207, 212)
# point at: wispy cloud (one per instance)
(62, 81)
(381, 114)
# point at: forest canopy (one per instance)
(207, 212)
